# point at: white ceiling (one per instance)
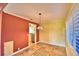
(50, 11)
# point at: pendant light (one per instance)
(40, 27)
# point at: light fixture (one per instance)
(40, 27)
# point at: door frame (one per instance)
(35, 39)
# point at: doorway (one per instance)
(32, 34)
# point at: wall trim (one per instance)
(25, 18)
(29, 46)
(16, 15)
(19, 51)
(52, 44)
(74, 52)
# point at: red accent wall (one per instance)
(2, 6)
(0, 30)
(16, 29)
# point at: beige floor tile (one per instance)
(42, 49)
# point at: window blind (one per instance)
(76, 32)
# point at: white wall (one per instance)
(54, 29)
(53, 33)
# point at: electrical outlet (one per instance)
(18, 48)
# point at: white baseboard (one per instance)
(53, 44)
(29, 46)
(37, 42)
(19, 51)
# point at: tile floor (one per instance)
(42, 49)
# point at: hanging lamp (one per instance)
(40, 27)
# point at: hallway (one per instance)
(43, 49)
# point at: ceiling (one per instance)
(50, 11)
(2, 5)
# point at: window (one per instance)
(76, 32)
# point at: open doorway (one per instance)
(32, 34)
